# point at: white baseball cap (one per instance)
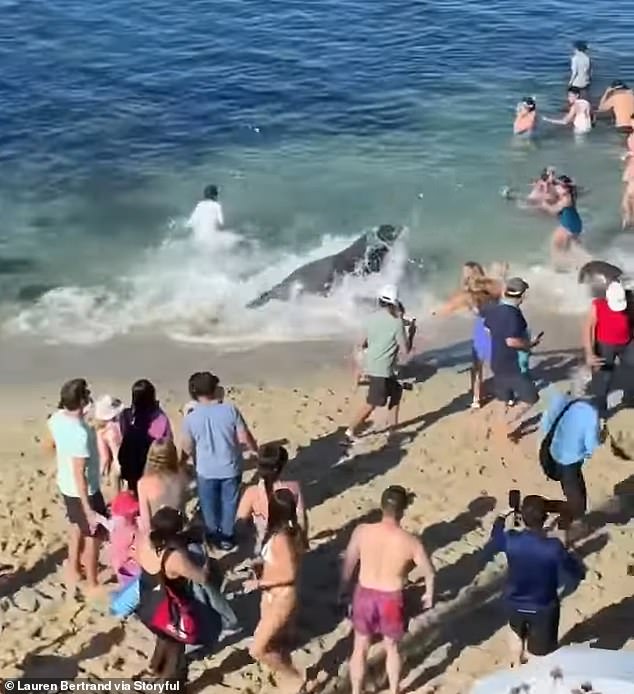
(615, 296)
(108, 408)
(389, 294)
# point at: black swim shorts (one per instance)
(540, 629)
(75, 512)
(517, 386)
(384, 391)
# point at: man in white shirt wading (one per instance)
(207, 218)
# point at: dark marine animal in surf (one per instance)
(597, 274)
(363, 257)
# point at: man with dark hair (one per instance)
(510, 345)
(207, 217)
(619, 99)
(213, 435)
(78, 479)
(384, 553)
(537, 566)
(580, 68)
(387, 336)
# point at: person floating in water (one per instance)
(619, 99)
(207, 218)
(544, 189)
(579, 113)
(525, 117)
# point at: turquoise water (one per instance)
(317, 121)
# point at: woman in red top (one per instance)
(608, 336)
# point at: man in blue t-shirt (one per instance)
(214, 433)
(509, 344)
(538, 566)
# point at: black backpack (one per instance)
(549, 465)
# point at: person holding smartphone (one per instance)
(509, 343)
(538, 566)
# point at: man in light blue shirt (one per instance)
(214, 433)
(575, 439)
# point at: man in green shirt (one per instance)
(386, 337)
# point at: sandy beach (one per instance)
(441, 453)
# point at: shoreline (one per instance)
(28, 361)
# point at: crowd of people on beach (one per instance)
(126, 474)
(165, 562)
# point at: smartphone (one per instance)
(539, 336)
(515, 499)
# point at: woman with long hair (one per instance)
(141, 424)
(254, 504)
(477, 290)
(570, 226)
(164, 481)
(281, 555)
(164, 560)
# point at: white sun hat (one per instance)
(107, 408)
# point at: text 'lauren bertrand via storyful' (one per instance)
(54, 685)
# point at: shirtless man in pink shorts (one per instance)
(385, 554)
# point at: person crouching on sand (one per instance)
(386, 336)
(78, 478)
(281, 556)
(384, 553)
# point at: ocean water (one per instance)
(317, 121)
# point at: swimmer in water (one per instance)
(544, 188)
(619, 99)
(570, 225)
(579, 114)
(525, 118)
(207, 218)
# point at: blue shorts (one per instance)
(481, 341)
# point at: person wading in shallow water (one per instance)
(384, 553)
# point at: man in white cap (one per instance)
(386, 336)
(608, 337)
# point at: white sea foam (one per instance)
(198, 292)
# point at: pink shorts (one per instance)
(378, 613)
